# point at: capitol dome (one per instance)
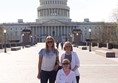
(53, 9)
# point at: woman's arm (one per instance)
(77, 62)
(39, 66)
(75, 68)
(57, 63)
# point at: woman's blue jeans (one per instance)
(47, 75)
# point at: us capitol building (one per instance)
(53, 19)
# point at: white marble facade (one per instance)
(53, 19)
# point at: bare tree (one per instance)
(105, 33)
(115, 15)
(1, 34)
(97, 34)
(115, 19)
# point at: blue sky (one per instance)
(95, 10)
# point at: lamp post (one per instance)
(77, 34)
(70, 37)
(22, 41)
(31, 40)
(89, 40)
(5, 51)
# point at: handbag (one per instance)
(59, 67)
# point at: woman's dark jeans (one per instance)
(77, 78)
(45, 75)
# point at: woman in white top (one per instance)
(65, 75)
(48, 56)
(72, 57)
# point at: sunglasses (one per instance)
(65, 63)
(49, 41)
(68, 46)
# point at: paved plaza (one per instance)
(21, 66)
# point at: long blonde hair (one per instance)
(53, 46)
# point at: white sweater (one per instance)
(63, 78)
(74, 62)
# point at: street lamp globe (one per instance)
(89, 30)
(77, 33)
(22, 34)
(5, 31)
